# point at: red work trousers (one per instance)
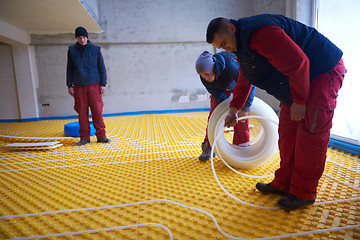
(241, 129)
(89, 96)
(303, 144)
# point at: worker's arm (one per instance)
(240, 95)
(69, 71)
(218, 94)
(249, 100)
(284, 54)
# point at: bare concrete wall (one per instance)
(270, 6)
(149, 48)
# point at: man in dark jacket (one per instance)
(304, 70)
(219, 73)
(86, 81)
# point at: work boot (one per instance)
(83, 142)
(269, 188)
(291, 202)
(103, 140)
(206, 154)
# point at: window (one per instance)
(340, 22)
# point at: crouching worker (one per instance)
(86, 81)
(219, 73)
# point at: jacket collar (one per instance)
(237, 25)
(89, 43)
(219, 64)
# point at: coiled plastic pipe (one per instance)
(260, 151)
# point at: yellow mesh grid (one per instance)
(149, 184)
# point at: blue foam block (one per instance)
(344, 146)
(72, 129)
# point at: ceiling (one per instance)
(48, 16)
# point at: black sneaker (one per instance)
(103, 140)
(291, 202)
(206, 154)
(269, 188)
(83, 142)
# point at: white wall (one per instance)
(25, 81)
(10, 34)
(8, 96)
(18, 79)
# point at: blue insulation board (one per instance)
(344, 146)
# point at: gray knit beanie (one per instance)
(205, 62)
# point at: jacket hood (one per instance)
(219, 64)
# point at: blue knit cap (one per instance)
(205, 62)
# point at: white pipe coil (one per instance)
(261, 150)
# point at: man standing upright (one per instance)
(86, 81)
(304, 70)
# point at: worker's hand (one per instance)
(71, 91)
(102, 90)
(231, 118)
(297, 111)
(242, 113)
